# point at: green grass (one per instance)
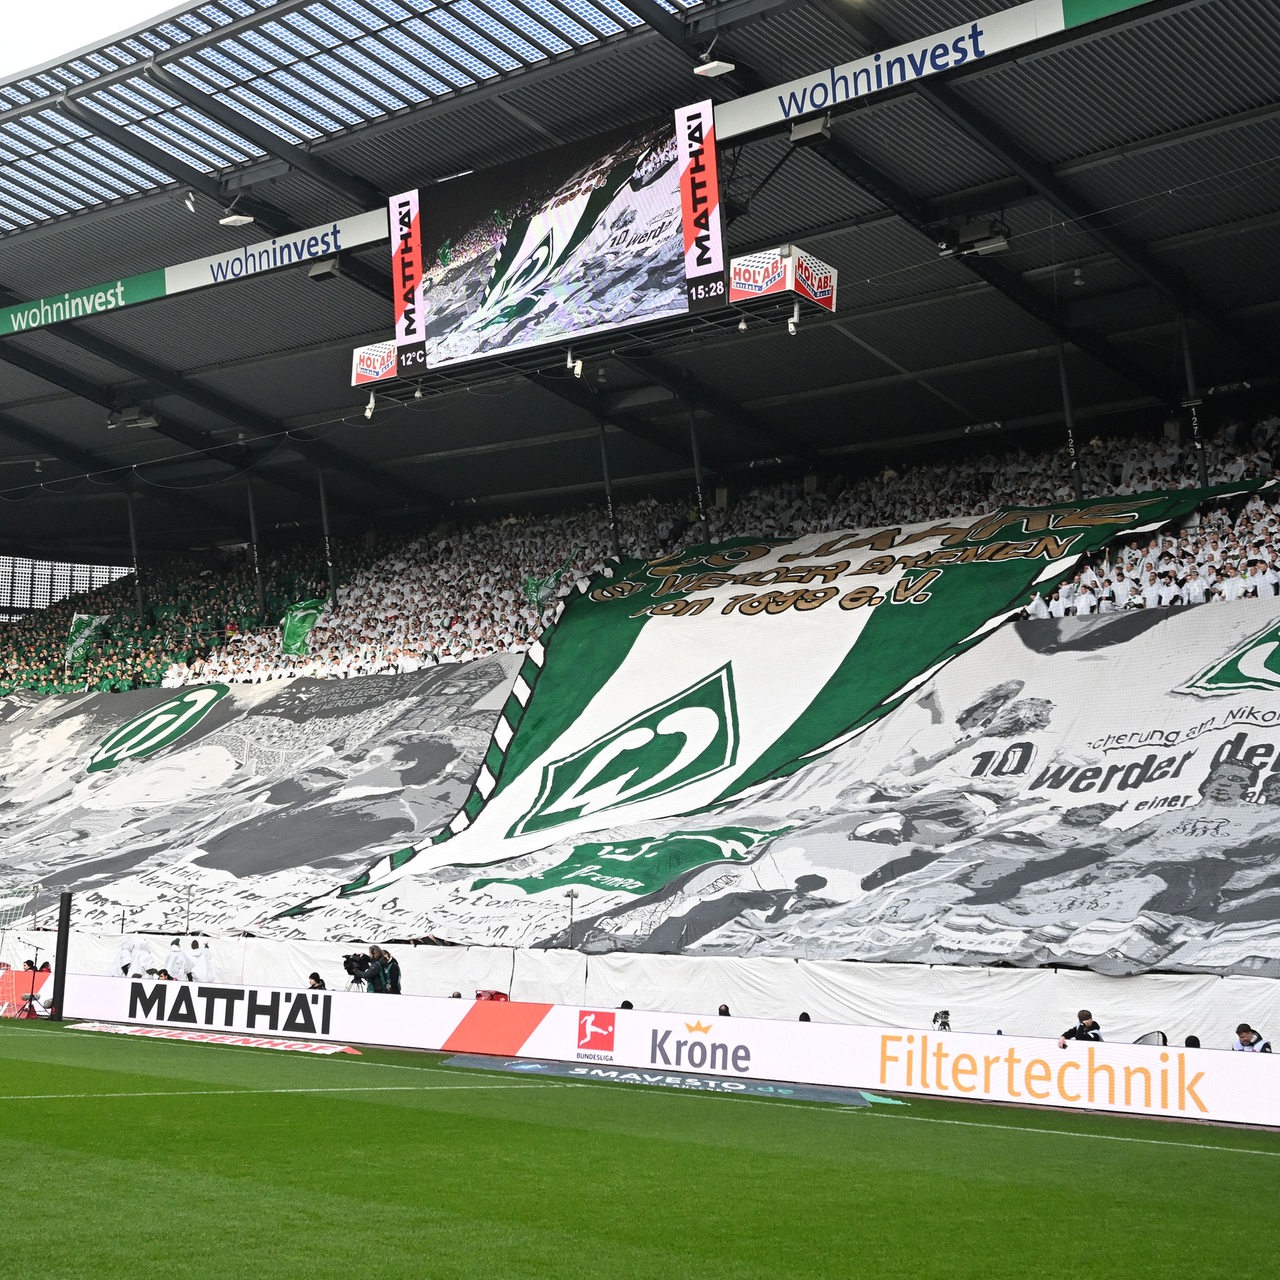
(138, 1158)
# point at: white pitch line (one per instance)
(355, 1088)
(1067, 1133)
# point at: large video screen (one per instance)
(582, 239)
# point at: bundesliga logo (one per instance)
(595, 1031)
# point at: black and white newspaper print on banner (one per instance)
(217, 804)
(1099, 792)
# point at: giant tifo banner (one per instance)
(1165, 1082)
(801, 749)
(831, 747)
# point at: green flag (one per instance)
(296, 625)
(83, 628)
(539, 590)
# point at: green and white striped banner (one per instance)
(84, 626)
(678, 687)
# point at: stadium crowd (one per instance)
(467, 592)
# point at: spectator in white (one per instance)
(175, 961)
(1151, 591)
(1085, 601)
(141, 958)
(1037, 608)
(1196, 588)
(1229, 586)
(1170, 593)
(1249, 1040)
(200, 962)
(1107, 599)
(1057, 605)
(124, 964)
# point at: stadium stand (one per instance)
(316, 803)
(463, 593)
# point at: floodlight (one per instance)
(806, 131)
(230, 218)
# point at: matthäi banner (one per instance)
(840, 86)
(1165, 1082)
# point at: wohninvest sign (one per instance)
(242, 262)
(961, 46)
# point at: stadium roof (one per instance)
(1131, 163)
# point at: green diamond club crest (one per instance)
(687, 738)
(1255, 664)
(156, 727)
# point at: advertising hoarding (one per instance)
(1164, 1082)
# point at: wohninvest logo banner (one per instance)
(961, 46)
(277, 254)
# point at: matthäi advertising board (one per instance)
(1165, 1082)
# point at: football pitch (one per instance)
(125, 1157)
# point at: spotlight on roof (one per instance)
(709, 66)
(133, 416)
(230, 218)
(980, 238)
(190, 201)
(324, 269)
(804, 132)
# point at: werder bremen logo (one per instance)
(687, 738)
(1255, 664)
(156, 727)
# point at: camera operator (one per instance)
(365, 969)
(390, 972)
